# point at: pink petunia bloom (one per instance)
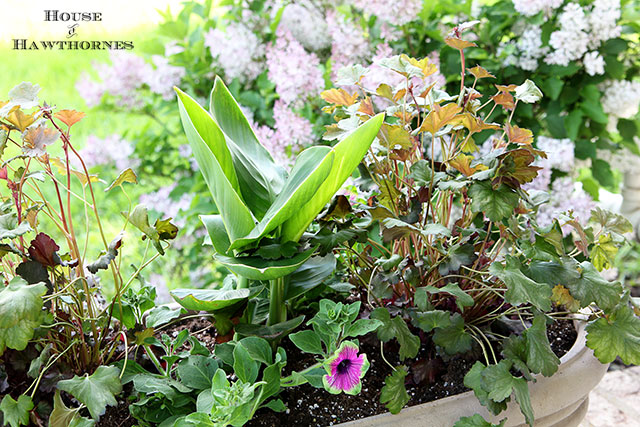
(345, 370)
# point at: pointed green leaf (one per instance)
(348, 154)
(16, 413)
(591, 287)
(259, 178)
(217, 232)
(20, 313)
(214, 159)
(394, 394)
(617, 335)
(475, 381)
(396, 328)
(197, 371)
(127, 175)
(520, 288)
(540, 357)
(309, 275)
(272, 332)
(256, 268)
(307, 341)
(209, 299)
(309, 172)
(463, 299)
(61, 415)
(82, 422)
(95, 391)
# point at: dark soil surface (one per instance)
(308, 406)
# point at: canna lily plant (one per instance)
(263, 211)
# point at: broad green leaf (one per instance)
(272, 332)
(591, 287)
(245, 368)
(259, 178)
(396, 328)
(256, 268)
(309, 172)
(540, 357)
(521, 393)
(453, 338)
(499, 380)
(61, 415)
(616, 336)
(463, 299)
(394, 394)
(127, 175)
(497, 204)
(96, 391)
(209, 299)
(307, 341)
(520, 288)
(162, 315)
(309, 275)
(214, 159)
(348, 154)
(20, 313)
(259, 349)
(9, 228)
(476, 421)
(362, 327)
(217, 233)
(197, 371)
(475, 381)
(430, 320)
(610, 221)
(16, 413)
(82, 422)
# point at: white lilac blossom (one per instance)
(161, 202)
(560, 153)
(622, 160)
(603, 22)
(571, 41)
(593, 63)
(349, 43)
(620, 98)
(112, 150)
(237, 50)
(295, 72)
(566, 196)
(533, 7)
(36, 139)
(164, 77)
(290, 133)
(527, 49)
(172, 48)
(396, 12)
(306, 23)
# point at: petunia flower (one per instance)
(345, 370)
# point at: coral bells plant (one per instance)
(56, 329)
(445, 244)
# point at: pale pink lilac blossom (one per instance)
(164, 77)
(295, 72)
(396, 12)
(571, 41)
(620, 98)
(237, 50)
(593, 63)
(305, 21)
(161, 202)
(112, 150)
(349, 42)
(533, 7)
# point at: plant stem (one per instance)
(277, 309)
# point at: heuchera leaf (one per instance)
(497, 204)
(20, 313)
(520, 288)
(439, 117)
(16, 413)
(476, 421)
(591, 287)
(69, 117)
(9, 227)
(127, 175)
(453, 338)
(616, 335)
(96, 391)
(540, 357)
(394, 394)
(396, 328)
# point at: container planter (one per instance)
(561, 400)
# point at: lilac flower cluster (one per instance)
(112, 150)
(290, 133)
(621, 98)
(565, 194)
(237, 50)
(581, 30)
(161, 202)
(398, 12)
(295, 72)
(125, 76)
(349, 44)
(306, 23)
